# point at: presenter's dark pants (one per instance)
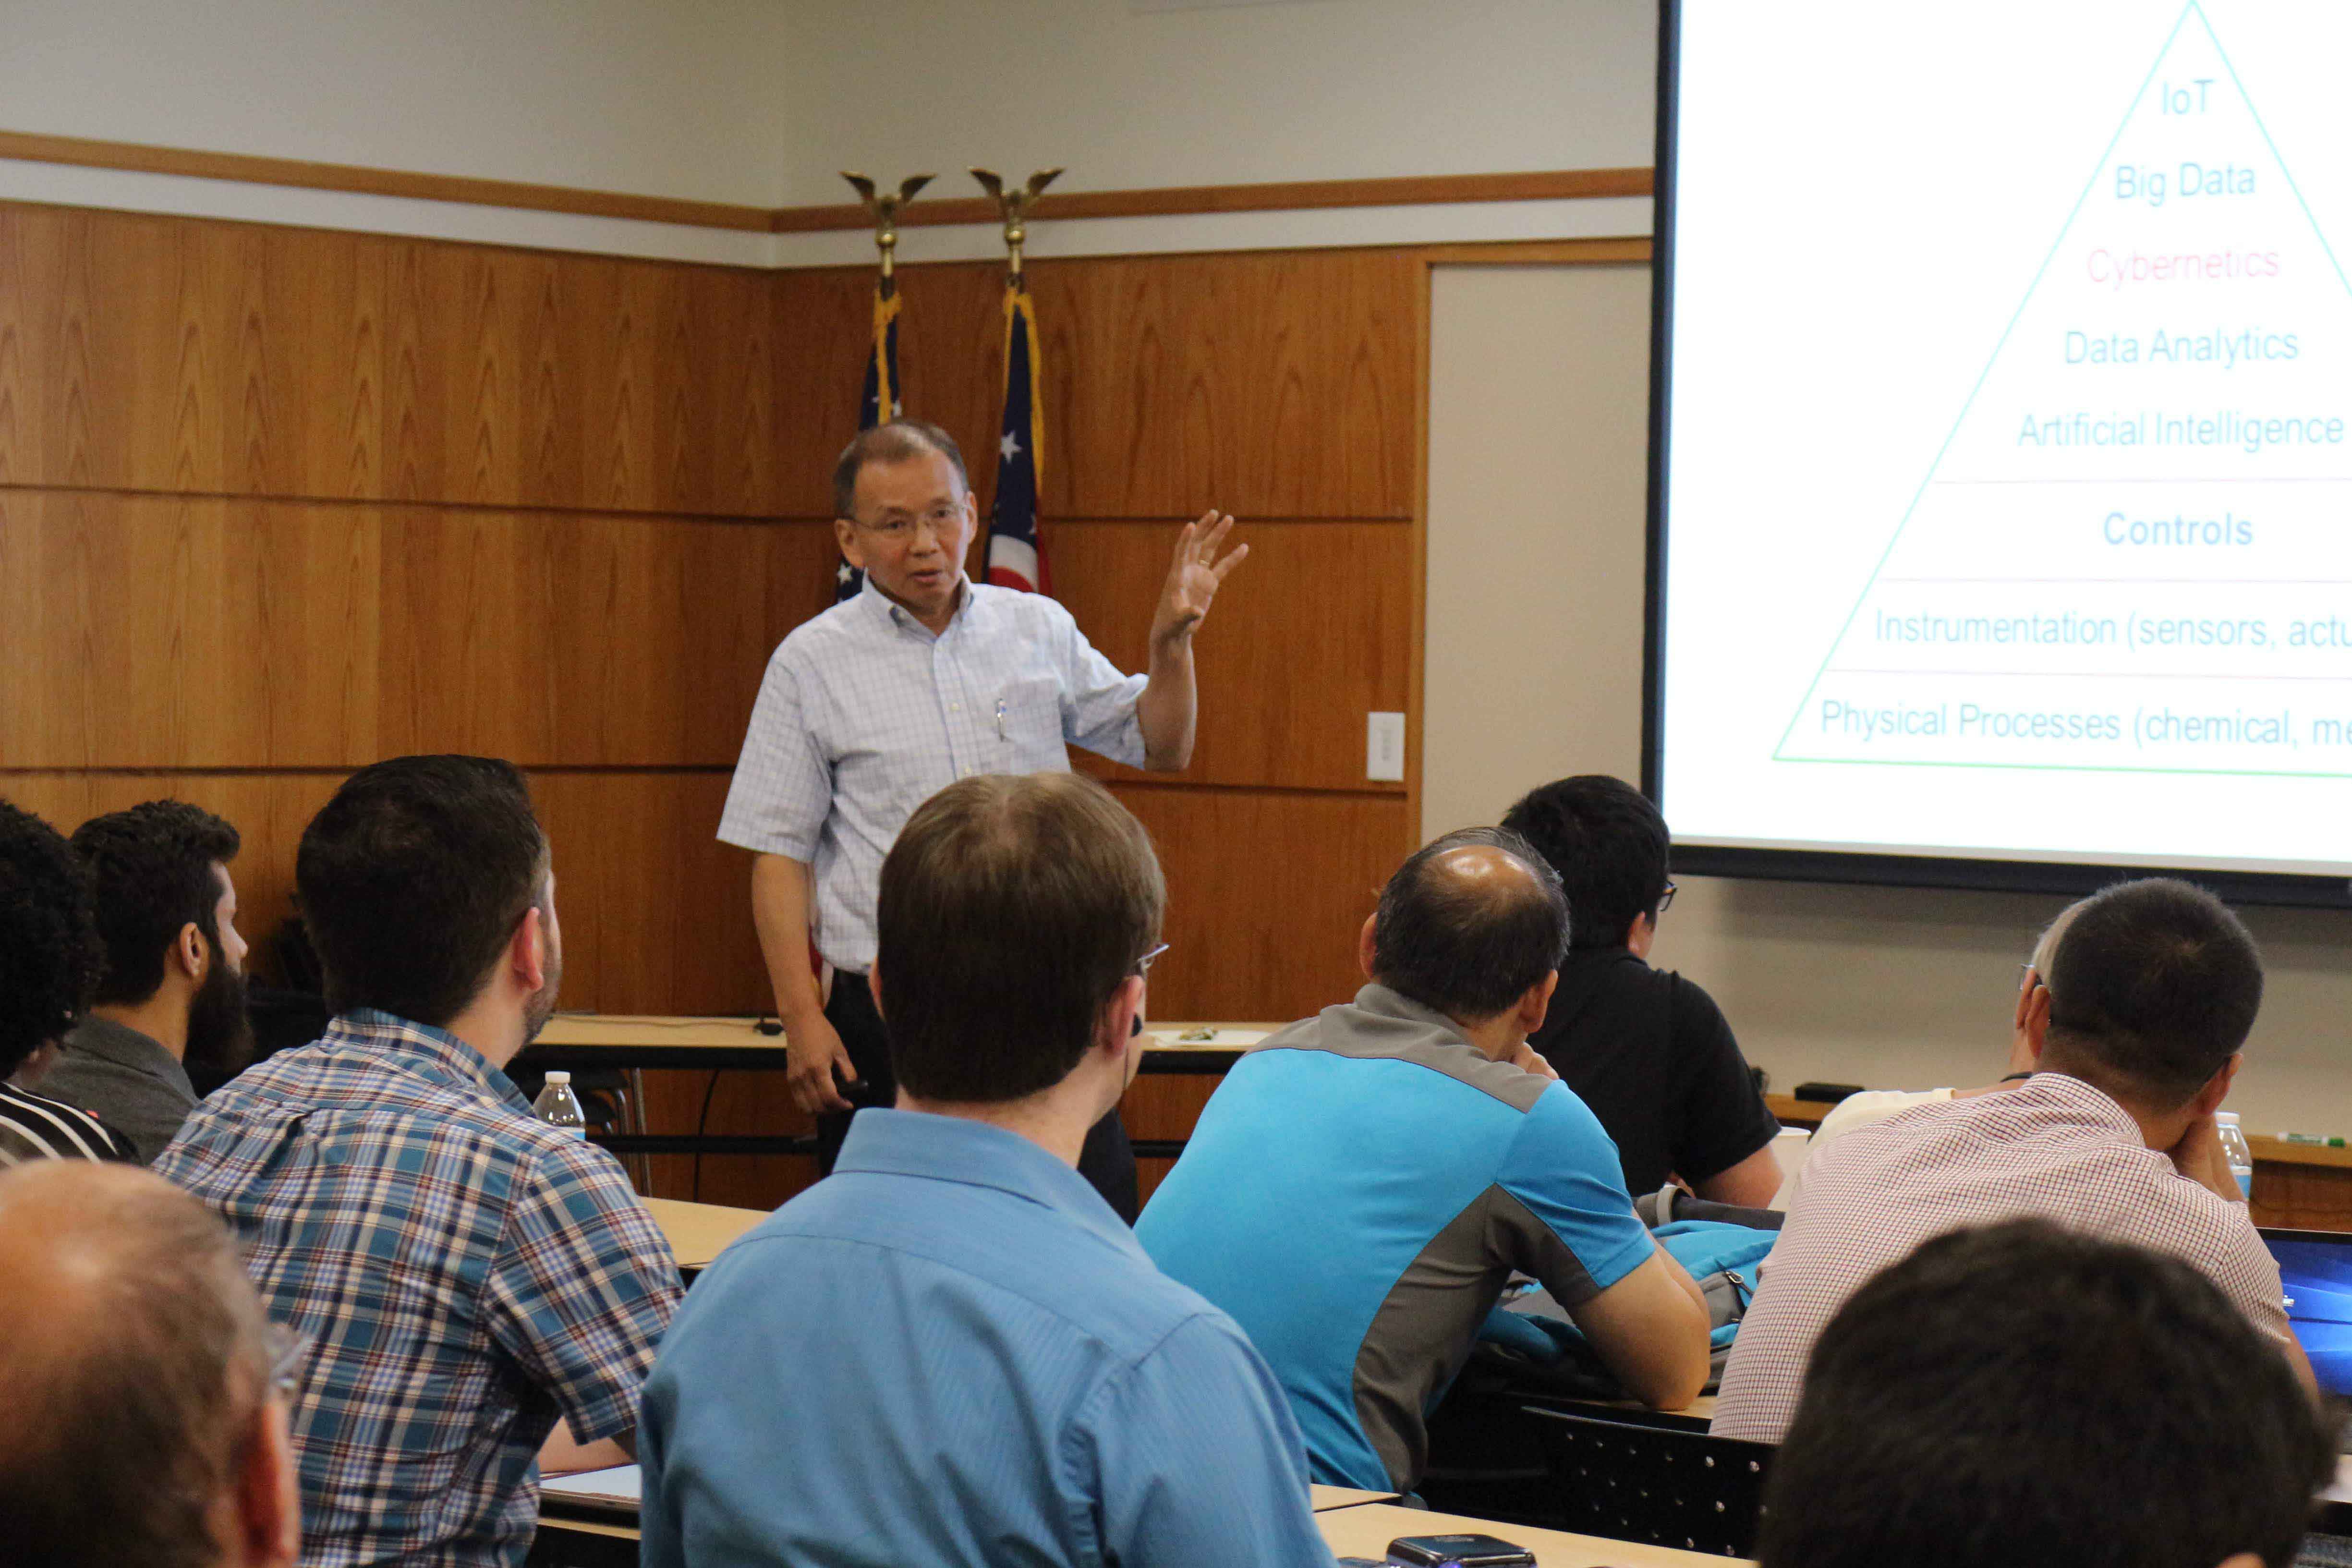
(1106, 1160)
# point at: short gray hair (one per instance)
(131, 1393)
(895, 442)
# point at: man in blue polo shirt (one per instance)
(1363, 1183)
(952, 1351)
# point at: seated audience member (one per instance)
(49, 959)
(1646, 1050)
(2022, 1397)
(1871, 1107)
(1361, 1185)
(951, 1349)
(145, 1429)
(469, 1274)
(173, 987)
(2134, 1035)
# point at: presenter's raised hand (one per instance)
(816, 1065)
(1193, 578)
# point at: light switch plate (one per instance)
(1384, 748)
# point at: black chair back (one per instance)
(1653, 1484)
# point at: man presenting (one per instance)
(875, 706)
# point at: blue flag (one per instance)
(878, 403)
(1017, 552)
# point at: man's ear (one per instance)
(2034, 1020)
(191, 951)
(527, 952)
(1366, 946)
(844, 535)
(1121, 1026)
(2217, 1088)
(1536, 1004)
(269, 1510)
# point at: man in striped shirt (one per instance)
(49, 959)
(2134, 1036)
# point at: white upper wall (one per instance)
(761, 102)
(674, 98)
(1131, 95)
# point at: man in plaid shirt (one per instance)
(467, 1274)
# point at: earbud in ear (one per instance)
(1134, 1027)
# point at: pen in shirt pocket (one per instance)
(1000, 718)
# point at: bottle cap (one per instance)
(2220, 1118)
(566, 1078)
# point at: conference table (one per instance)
(574, 1042)
(1354, 1524)
(699, 1233)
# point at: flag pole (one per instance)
(885, 206)
(879, 401)
(1013, 205)
(1017, 546)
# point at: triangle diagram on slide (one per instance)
(2134, 551)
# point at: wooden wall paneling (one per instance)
(469, 647)
(1266, 891)
(170, 354)
(952, 358)
(1416, 578)
(676, 383)
(1308, 636)
(655, 912)
(822, 325)
(1276, 384)
(728, 348)
(302, 361)
(158, 631)
(801, 560)
(950, 363)
(586, 639)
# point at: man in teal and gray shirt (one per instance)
(1363, 1183)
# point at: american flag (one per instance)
(878, 401)
(1016, 553)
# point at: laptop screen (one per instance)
(2316, 1267)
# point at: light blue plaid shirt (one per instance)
(465, 1274)
(864, 715)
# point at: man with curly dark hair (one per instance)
(49, 960)
(171, 996)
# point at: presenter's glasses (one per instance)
(897, 526)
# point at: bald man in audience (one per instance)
(2134, 1037)
(145, 1427)
(1362, 1185)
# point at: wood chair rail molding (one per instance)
(1418, 190)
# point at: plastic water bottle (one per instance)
(558, 1107)
(2239, 1152)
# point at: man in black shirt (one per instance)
(1649, 1051)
